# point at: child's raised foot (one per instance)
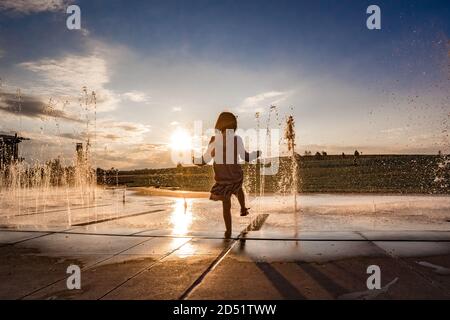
(244, 212)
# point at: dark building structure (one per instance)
(9, 149)
(79, 151)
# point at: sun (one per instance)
(180, 140)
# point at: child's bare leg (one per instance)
(227, 214)
(241, 198)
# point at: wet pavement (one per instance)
(165, 248)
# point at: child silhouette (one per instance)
(225, 147)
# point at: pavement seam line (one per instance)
(56, 211)
(407, 265)
(72, 230)
(210, 268)
(116, 218)
(23, 240)
(88, 267)
(222, 256)
(143, 270)
(46, 233)
(139, 234)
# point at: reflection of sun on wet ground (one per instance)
(186, 250)
(181, 220)
(181, 216)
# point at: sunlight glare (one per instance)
(181, 218)
(180, 140)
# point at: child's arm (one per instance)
(243, 154)
(207, 156)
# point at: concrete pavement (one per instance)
(153, 264)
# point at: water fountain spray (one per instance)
(36, 185)
(258, 126)
(290, 137)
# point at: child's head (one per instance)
(226, 120)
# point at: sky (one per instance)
(157, 66)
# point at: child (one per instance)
(228, 173)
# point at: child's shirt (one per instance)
(227, 159)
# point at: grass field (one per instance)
(331, 174)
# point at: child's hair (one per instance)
(226, 120)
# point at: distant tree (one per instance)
(308, 153)
(324, 153)
(440, 153)
(343, 155)
(318, 155)
(356, 153)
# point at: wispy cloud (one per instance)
(136, 96)
(71, 71)
(124, 131)
(107, 131)
(394, 131)
(31, 106)
(33, 6)
(262, 100)
(67, 76)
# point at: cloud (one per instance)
(123, 132)
(109, 131)
(110, 136)
(71, 71)
(67, 76)
(136, 156)
(262, 100)
(176, 109)
(72, 136)
(82, 136)
(32, 107)
(124, 125)
(113, 143)
(136, 96)
(33, 6)
(394, 131)
(147, 155)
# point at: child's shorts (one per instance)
(223, 191)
